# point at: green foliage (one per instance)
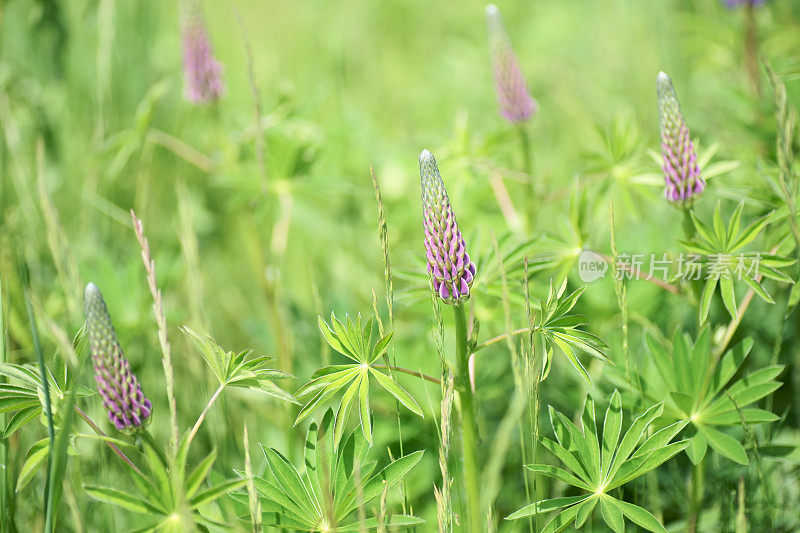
(723, 244)
(237, 370)
(23, 395)
(337, 480)
(172, 498)
(354, 341)
(559, 328)
(598, 463)
(701, 391)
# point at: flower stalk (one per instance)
(469, 438)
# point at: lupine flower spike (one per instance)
(681, 173)
(127, 406)
(516, 103)
(449, 265)
(202, 72)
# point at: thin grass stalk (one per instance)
(516, 409)
(469, 437)
(787, 178)
(443, 496)
(620, 290)
(111, 445)
(752, 439)
(537, 364)
(205, 411)
(161, 321)
(48, 412)
(58, 467)
(383, 235)
(444, 502)
(252, 496)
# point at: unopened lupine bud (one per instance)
(449, 265)
(516, 103)
(202, 73)
(127, 406)
(681, 173)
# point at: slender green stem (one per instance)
(499, 338)
(688, 224)
(205, 412)
(48, 411)
(469, 438)
(409, 372)
(527, 167)
(696, 501)
(111, 445)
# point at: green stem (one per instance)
(48, 411)
(469, 440)
(111, 445)
(409, 372)
(205, 412)
(688, 225)
(696, 502)
(527, 167)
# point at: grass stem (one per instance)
(205, 412)
(469, 438)
(48, 412)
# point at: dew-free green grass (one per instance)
(399, 265)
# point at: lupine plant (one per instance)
(652, 246)
(202, 72)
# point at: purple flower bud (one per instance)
(449, 265)
(681, 173)
(202, 73)
(127, 406)
(516, 103)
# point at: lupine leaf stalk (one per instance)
(681, 172)
(202, 72)
(516, 103)
(452, 273)
(127, 406)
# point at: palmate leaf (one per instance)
(166, 493)
(726, 262)
(354, 341)
(600, 463)
(557, 328)
(702, 396)
(239, 369)
(335, 482)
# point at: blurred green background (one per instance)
(94, 123)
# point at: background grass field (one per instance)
(93, 123)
